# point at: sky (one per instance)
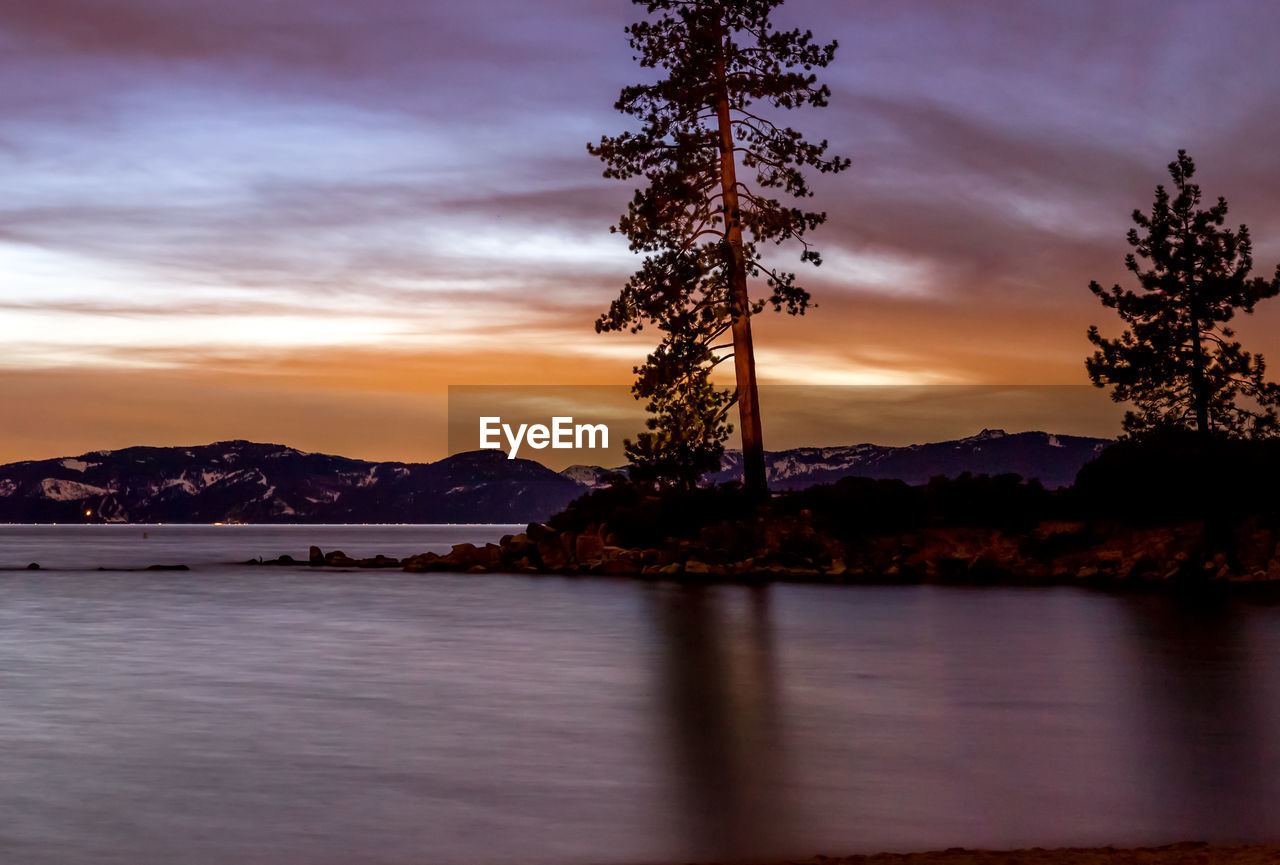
(300, 221)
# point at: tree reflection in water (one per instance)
(1205, 729)
(718, 693)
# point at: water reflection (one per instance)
(718, 690)
(1204, 716)
(293, 716)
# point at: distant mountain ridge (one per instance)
(1052, 459)
(241, 481)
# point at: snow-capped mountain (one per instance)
(592, 476)
(1053, 459)
(240, 481)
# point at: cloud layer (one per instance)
(200, 189)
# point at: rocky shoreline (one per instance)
(792, 550)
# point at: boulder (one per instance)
(513, 548)
(461, 556)
(589, 548)
(315, 556)
(552, 556)
(422, 563)
(489, 557)
(620, 566)
(539, 532)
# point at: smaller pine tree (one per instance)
(687, 415)
(1178, 361)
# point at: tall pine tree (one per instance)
(725, 75)
(1178, 362)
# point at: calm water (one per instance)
(269, 715)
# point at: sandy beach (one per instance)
(1183, 854)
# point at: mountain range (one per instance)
(241, 481)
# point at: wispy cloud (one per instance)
(189, 186)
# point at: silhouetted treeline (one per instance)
(1170, 476)
(1165, 478)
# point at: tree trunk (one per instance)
(744, 361)
(1199, 388)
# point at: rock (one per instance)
(315, 556)
(1087, 572)
(693, 566)
(422, 563)
(34, 566)
(1140, 565)
(551, 554)
(620, 566)
(378, 561)
(490, 556)
(166, 568)
(477, 569)
(515, 548)
(461, 556)
(589, 548)
(539, 532)
(804, 574)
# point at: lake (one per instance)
(289, 715)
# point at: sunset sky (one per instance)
(301, 220)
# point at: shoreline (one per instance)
(1189, 852)
(1097, 555)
